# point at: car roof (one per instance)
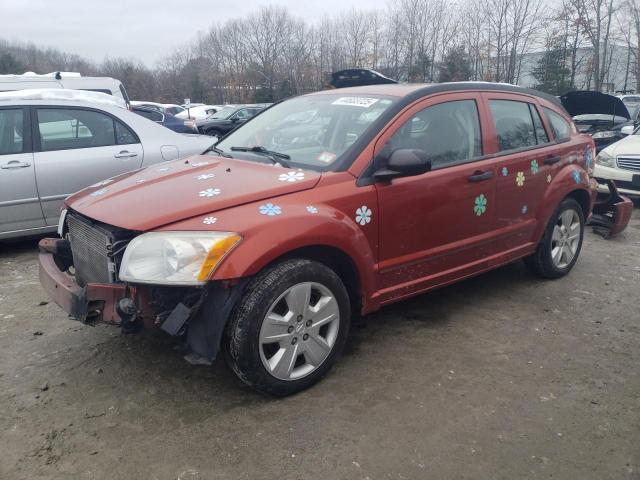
(63, 95)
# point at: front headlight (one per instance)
(605, 159)
(606, 134)
(175, 258)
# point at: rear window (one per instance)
(559, 125)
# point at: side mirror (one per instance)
(404, 162)
(235, 120)
(627, 130)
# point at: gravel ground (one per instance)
(500, 377)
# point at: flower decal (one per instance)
(205, 176)
(209, 220)
(209, 192)
(312, 209)
(291, 176)
(270, 209)
(588, 157)
(549, 178)
(576, 176)
(363, 215)
(524, 209)
(199, 164)
(97, 193)
(505, 171)
(480, 205)
(534, 166)
(520, 179)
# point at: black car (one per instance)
(357, 77)
(600, 115)
(176, 124)
(228, 119)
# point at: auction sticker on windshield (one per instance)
(356, 101)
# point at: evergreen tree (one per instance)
(551, 72)
(455, 66)
(10, 64)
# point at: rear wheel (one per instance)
(289, 327)
(561, 243)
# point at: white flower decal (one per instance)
(363, 215)
(199, 164)
(164, 169)
(291, 176)
(520, 179)
(99, 192)
(210, 192)
(205, 176)
(209, 220)
(270, 209)
(312, 209)
(524, 209)
(549, 178)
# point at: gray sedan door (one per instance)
(77, 147)
(19, 202)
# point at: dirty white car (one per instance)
(620, 162)
(56, 142)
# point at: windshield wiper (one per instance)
(215, 149)
(275, 157)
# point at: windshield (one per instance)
(224, 113)
(314, 131)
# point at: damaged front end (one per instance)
(80, 273)
(611, 211)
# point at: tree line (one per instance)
(271, 54)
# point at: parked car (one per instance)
(357, 77)
(268, 253)
(164, 108)
(55, 142)
(621, 162)
(598, 114)
(68, 80)
(199, 112)
(227, 119)
(166, 120)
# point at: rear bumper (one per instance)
(94, 302)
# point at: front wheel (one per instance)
(561, 243)
(289, 327)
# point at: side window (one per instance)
(559, 125)
(65, 129)
(514, 125)
(242, 114)
(124, 135)
(11, 131)
(541, 134)
(150, 114)
(449, 132)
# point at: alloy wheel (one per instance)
(565, 238)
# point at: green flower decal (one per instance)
(480, 205)
(520, 179)
(534, 166)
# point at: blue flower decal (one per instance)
(534, 166)
(480, 204)
(270, 209)
(505, 171)
(576, 176)
(588, 157)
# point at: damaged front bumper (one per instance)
(199, 314)
(611, 211)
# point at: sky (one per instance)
(142, 29)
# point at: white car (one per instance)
(56, 142)
(620, 162)
(199, 112)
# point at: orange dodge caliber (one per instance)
(323, 206)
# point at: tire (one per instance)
(213, 133)
(544, 262)
(269, 311)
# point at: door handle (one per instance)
(550, 160)
(125, 154)
(479, 176)
(15, 164)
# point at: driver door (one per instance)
(438, 226)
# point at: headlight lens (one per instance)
(175, 258)
(606, 134)
(605, 159)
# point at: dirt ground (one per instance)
(501, 377)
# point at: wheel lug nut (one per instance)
(309, 323)
(294, 340)
(305, 336)
(290, 329)
(299, 318)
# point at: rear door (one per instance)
(77, 147)
(19, 202)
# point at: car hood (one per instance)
(629, 145)
(583, 102)
(173, 191)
